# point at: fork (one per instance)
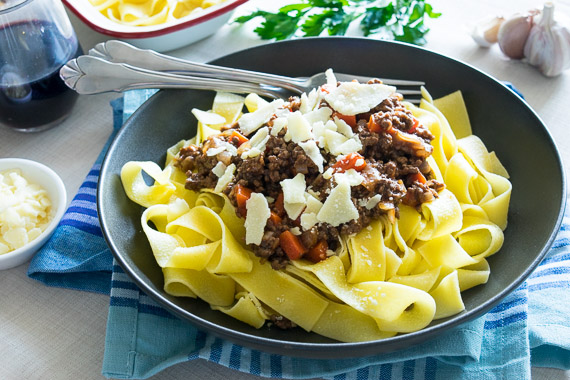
(129, 67)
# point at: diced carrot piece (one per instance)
(242, 196)
(238, 138)
(348, 119)
(351, 161)
(417, 177)
(276, 219)
(279, 206)
(318, 252)
(415, 126)
(373, 126)
(291, 245)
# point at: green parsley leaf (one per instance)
(375, 18)
(401, 20)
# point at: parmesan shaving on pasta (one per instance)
(395, 275)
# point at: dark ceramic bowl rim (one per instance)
(337, 350)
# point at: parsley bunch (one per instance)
(401, 20)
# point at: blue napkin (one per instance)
(530, 327)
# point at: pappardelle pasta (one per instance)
(346, 206)
(150, 12)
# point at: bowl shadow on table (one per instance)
(519, 138)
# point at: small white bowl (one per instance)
(162, 37)
(34, 172)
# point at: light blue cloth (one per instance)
(530, 327)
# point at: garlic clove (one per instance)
(513, 34)
(485, 32)
(548, 44)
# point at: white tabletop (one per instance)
(52, 333)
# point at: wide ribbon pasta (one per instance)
(391, 277)
(150, 12)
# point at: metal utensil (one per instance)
(118, 66)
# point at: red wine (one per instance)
(32, 95)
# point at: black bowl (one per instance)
(503, 120)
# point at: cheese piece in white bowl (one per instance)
(33, 202)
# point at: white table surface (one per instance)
(52, 333)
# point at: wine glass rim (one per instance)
(6, 7)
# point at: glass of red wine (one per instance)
(36, 40)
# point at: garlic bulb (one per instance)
(486, 31)
(513, 34)
(548, 44)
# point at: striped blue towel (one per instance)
(530, 327)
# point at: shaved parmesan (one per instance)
(294, 189)
(253, 152)
(257, 143)
(352, 145)
(220, 147)
(219, 169)
(338, 207)
(257, 214)
(293, 210)
(312, 151)
(308, 220)
(331, 126)
(213, 151)
(331, 78)
(25, 210)
(230, 148)
(351, 98)
(351, 176)
(322, 114)
(343, 127)
(295, 231)
(313, 204)
(333, 140)
(251, 122)
(298, 127)
(372, 202)
(308, 102)
(225, 179)
(208, 118)
(259, 137)
(278, 124)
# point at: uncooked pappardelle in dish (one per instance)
(150, 12)
(346, 206)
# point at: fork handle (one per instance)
(92, 75)
(122, 52)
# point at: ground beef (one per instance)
(395, 158)
(282, 322)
